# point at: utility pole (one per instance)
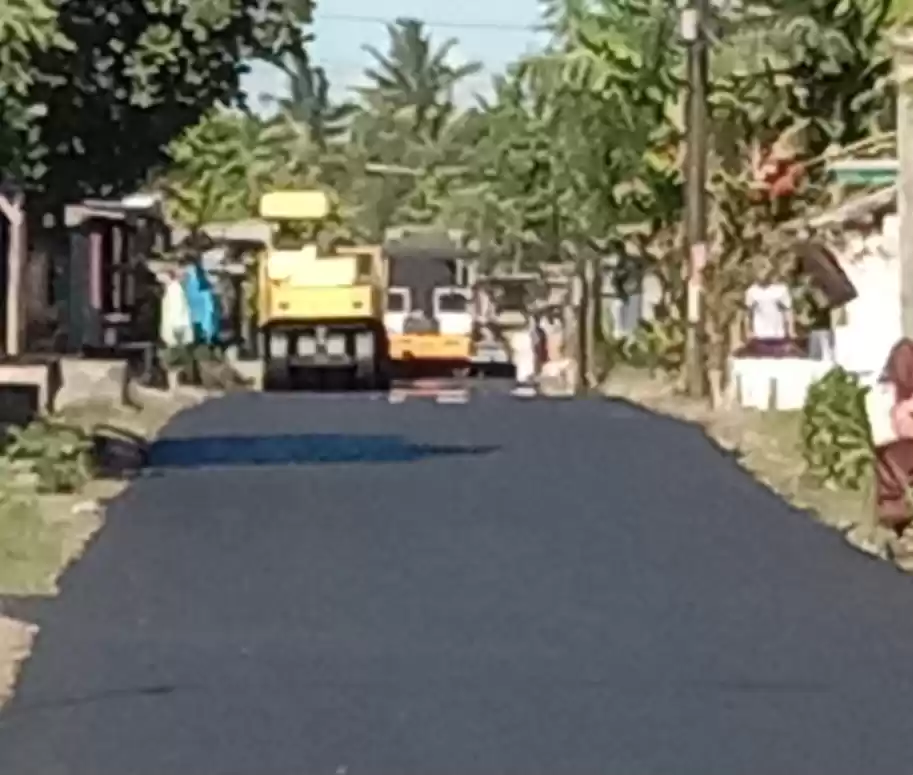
(903, 74)
(694, 32)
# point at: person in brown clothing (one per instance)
(894, 460)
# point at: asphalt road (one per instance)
(312, 584)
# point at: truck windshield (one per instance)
(396, 301)
(452, 302)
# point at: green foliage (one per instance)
(414, 76)
(655, 345)
(308, 103)
(407, 119)
(218, 168)
(836, 439)
(58, 456)
(814, 80)
(109, 85)
(583, 129)
(27, 27)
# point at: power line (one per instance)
(502, 27)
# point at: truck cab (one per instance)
(429, 316)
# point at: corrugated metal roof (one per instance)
(253, 230)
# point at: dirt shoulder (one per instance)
(41, 535)
(766, 444)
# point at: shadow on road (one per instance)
(301, 449)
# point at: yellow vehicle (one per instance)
(429, 316)
(321, 313)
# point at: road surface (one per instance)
(317, 584)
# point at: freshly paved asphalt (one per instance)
(310, 585)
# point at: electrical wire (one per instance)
(455, 25)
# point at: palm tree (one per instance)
(308, 102)
(413, 76)
(407, 118)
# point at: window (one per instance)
(452, 302)
(364, 266)
(397, 301)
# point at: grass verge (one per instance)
(41, 535)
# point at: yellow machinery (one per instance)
(429, 303)
(319, 314)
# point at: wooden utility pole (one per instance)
(694, 32)
(903, 73)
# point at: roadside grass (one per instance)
(40, 535)
(30, 547)
(766, 444)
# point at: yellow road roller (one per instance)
(320, 309)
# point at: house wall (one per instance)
(872, 322)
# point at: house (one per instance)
(854, 247)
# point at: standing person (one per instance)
(540, 344)
(558, 366)
(524, 352)
(894, 455)
(204, 307)
(821, 330)
(771, 326)
(175, 326)
(554, 335)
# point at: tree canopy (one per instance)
(92, 93)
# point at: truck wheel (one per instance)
(275, 375)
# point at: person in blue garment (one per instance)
(204, 306)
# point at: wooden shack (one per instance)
(103, 282)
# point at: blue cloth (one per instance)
(204, 306)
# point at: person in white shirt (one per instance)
(771, 330)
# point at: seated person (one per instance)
(894, 460)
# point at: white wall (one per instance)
(872, 323)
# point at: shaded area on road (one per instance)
(299, 449)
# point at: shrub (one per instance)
(836, 438)
(58, 456)
(655, 345)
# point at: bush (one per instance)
(655, 345)
(836, 438)
(57, 456)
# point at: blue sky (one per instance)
(493, 34)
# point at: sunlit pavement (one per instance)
(302, 586)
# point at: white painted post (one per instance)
(13, 209)
(903, 73)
